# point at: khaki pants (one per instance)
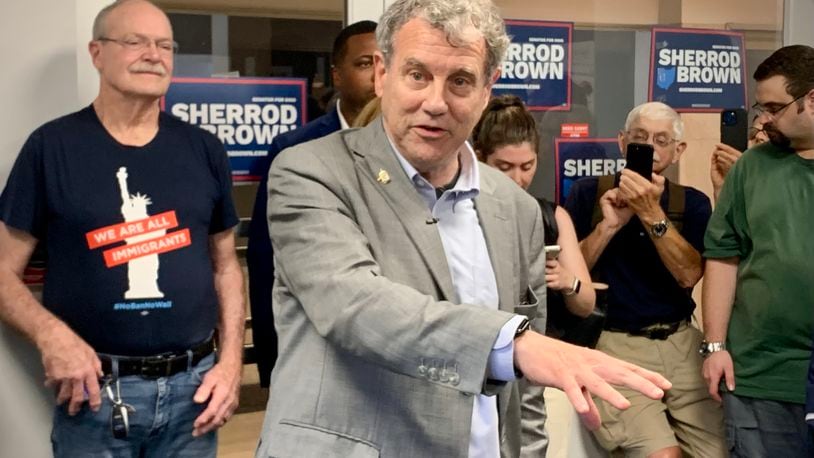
(685, 417)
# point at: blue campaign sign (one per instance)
(537, 67)
(584, 157)
(244, 113)
(697, 70)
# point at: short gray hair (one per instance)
(657, 110)
(452, 17)
(100, 22)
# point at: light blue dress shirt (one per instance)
(473, 280)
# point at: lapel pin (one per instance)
(383, 177)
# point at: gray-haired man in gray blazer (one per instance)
(407, 273)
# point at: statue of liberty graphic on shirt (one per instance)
(142, 272)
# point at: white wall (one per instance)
(797, 18)
(47, 74)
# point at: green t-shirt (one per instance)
(765, 217)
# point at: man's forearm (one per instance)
(22, 311)
(595, 243)
(718, 296)
(18, 307)
(680, 258)
(228, 279)
(232, 315)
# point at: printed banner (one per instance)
(584, 157)
(697, 70)
(537, 67)
(244, 113)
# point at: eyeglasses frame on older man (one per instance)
(140, 43)
(659, 139)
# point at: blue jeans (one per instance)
(759, 428)
(161, 426)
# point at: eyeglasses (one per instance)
(641, 136)
(140, 43)
(773, 111)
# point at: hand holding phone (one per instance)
(552, 252)
(735, 128)
(639, 159)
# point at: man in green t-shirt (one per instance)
(757, 299)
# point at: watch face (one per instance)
(659, 229)
(524, 326)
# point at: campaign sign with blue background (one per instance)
(537, 67)
(697, 70)
(584, 157)
(244, 113)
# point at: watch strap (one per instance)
(524, 326)
(708, 348)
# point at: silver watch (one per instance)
(707, 348)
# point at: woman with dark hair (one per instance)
(506, 138)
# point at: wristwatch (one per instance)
(707, 348)
(574, 288)
(659, 228)
(524, 326)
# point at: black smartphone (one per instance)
(735, 128)
(639, 158)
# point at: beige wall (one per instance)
(702, 132)
(583, 11)
(756, 14)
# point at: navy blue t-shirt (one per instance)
(641, 290)
(126, 229)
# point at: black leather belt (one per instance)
(659, 331)
(157, 366)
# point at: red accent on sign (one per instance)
(126, 253)
(575, 130)
(119, 232)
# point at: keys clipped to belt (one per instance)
(120, 413)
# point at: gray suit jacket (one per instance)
(374, 358)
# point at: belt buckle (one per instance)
(157, 367)
(659, 333)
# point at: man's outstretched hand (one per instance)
(581, 372)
